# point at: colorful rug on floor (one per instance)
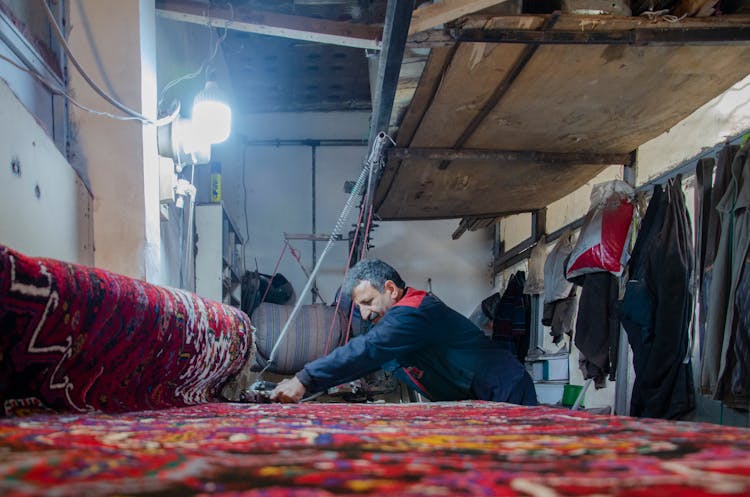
(310, 450)
(77, 338)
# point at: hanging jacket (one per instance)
(511, 321)
(597, 328)
(657, 308)
(740, 381)
(716, 278)
(722, 321)
(560, 301)
(433, 349)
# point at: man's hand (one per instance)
(288, 391)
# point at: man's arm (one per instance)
(345, 363)
(397, 333)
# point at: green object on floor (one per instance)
(570, 394)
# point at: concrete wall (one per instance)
(115, 42)
(24, 28)
(45, 209)
(107, 199)
(457, 271)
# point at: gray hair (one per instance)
(375, 271)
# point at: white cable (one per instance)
(374, 159)
(54, 88)
(61, 38)
(206, 61)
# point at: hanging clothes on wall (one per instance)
(720, 359)
(560, 316)
(560, 300)
(710, 235)
(656, 310)
(602, 243)
(740, 382)
(597, 328)
(511, 322)
(710, 188)
(595, 264)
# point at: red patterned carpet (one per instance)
(76, 338)
(310, 450)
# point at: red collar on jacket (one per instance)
(412, 298)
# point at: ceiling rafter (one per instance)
(691, 31)
(445, 11)
(507, 156)
(273, 24)
(502, 88)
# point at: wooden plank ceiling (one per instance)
(494, 114)
(500, 128)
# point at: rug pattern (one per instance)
(313, 450)
(76, 338)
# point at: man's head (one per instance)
(374, 286)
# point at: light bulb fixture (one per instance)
(212, 116)
(177, 141)
(188, 141)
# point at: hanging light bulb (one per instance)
(212, 116)
(177, 140)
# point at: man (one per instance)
(428, 345)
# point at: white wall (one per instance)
(114, 159)
(55, 223)
(423, 251)
(279, 200)
(723, 117)
(115, 42)
(278, 192)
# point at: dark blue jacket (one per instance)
(431, 347)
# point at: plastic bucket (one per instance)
(570, 394)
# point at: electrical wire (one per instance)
(204, 65)
(244, 203)
(63, 42)
(54, 88)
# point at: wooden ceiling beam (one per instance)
(429, 83)
(445, 11)
(689, 32)
(450, 154)
(473, 223)
(637, 37)
(270, 23)
(502, 88)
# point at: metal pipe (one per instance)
(623, 347)
(305, 143)
(396, 30)
(314, 228)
